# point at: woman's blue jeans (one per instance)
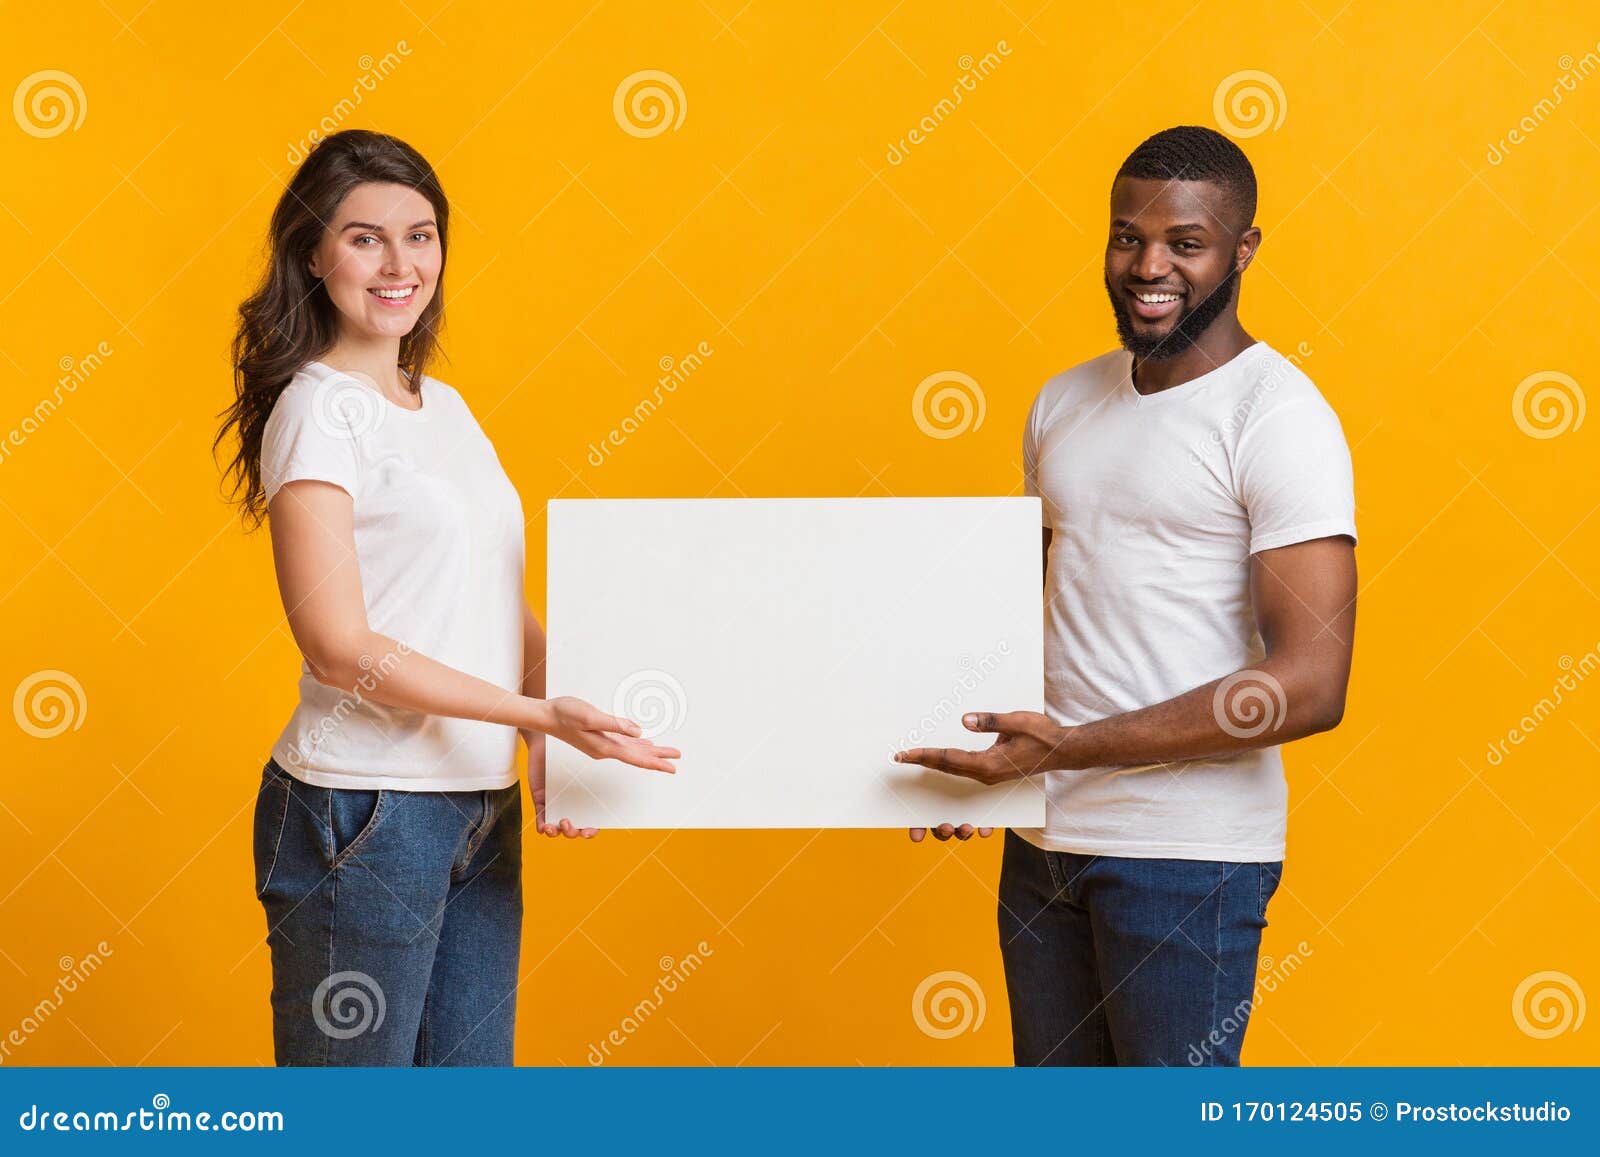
(394, 919)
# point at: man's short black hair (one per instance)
(1196, 153)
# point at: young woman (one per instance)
(388, 823)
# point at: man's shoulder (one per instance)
(1095, 375)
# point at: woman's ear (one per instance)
(311, 267)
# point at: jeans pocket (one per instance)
(353, 815)
(1271, 877)
(272, 809)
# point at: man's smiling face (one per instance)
(1171, 262)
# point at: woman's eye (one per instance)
(365, 237)
(422, 237)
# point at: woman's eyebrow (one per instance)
(369, 227)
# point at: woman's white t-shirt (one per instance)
(1156, 503)
(439, 544)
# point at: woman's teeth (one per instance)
(393, 294)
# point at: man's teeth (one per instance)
(1156, 298)
(395, 294)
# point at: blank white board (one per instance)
(788, 647)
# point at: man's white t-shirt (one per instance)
(1155, 504)
(439, 543)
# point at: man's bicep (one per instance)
(1304, 597)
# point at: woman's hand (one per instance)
(536, 745)
(602, 736)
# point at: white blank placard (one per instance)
(788, 647)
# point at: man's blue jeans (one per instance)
(1119, 961)
(394, 920)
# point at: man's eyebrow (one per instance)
(369, 227)
(1186, 227)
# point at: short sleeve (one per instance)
(1294, 474)
(1032, 435)
(308, 437)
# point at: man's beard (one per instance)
(1181, 336)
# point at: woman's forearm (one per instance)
(382, 670)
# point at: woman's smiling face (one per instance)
(380, 260)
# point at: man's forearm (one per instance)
(1261, 706)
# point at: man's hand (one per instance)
(945, 831)
(1028, 743)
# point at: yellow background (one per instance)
(1426, 883)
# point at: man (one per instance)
(1200, 585)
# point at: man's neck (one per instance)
(1219, 344)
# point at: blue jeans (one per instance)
(1119, 961)
(394, 920)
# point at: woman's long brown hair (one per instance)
(289, 320)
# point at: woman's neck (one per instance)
(378, 360)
